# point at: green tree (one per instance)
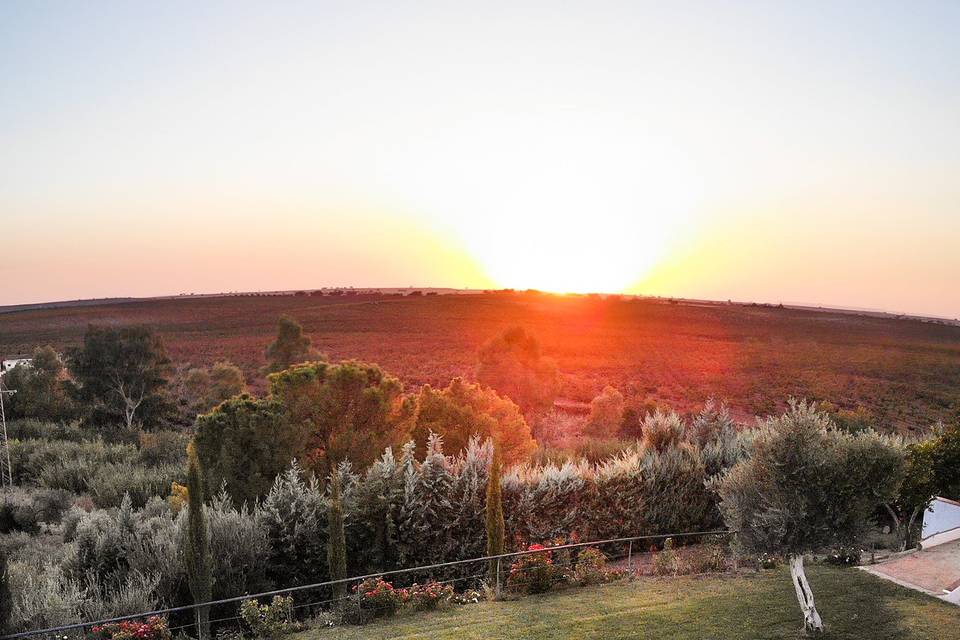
(494, 517)
(337, 540)
(946, 460)
(40, 388)
(916, 491)
(290, 347)
(245, 443)
(512, 364)
(807, 486)
(120, 374)
(347, 411)
(197, 544)
(463, 410)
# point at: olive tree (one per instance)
(121, 374)
(807, 486)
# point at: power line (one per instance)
(6, 468)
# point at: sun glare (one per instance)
(577, 205)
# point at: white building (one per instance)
(941, 522)
(7, 365)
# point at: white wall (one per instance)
(941, 523)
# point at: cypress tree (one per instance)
(6, 598)
(197, 545)
(336, 541)
(494, 517)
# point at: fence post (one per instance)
(196, 618)
(359, 607)
(630, 557)
(735, 553)
(496, 589)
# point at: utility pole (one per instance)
(6, 468)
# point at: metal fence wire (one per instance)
(621, 550)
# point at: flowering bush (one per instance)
(379, 597)
(430, 595)
(155, 628)
(470, 596)
(591, 565)
(767, 561)
(532, 573)
(269, 620)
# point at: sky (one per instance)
(755, 151)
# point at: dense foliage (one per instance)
(40, 392)
(120, 376)
(244, 443)
(347, 411)
(463, 410)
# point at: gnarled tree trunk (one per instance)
(811, 619)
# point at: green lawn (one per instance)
(853, 605)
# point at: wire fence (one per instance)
(471, 573)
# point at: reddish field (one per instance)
(906, 372)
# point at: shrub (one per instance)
(606, 413)
(533, 572)
(99, 551)
(27, 509)
(666, 562)
(238, 546)
(269, 620)
(845, 556)
(430, 595)
(470, 596)
(178, 497)
(704, 558)
(110, 483)
(32, 428)
(41, 461)
(292, 516)
(159, 447)
(43, 596)
(379, 598)
(662, 430)
(135, 594)
(154, 628)
(591, 566)
(6, 597)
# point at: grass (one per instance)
(853, 604)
